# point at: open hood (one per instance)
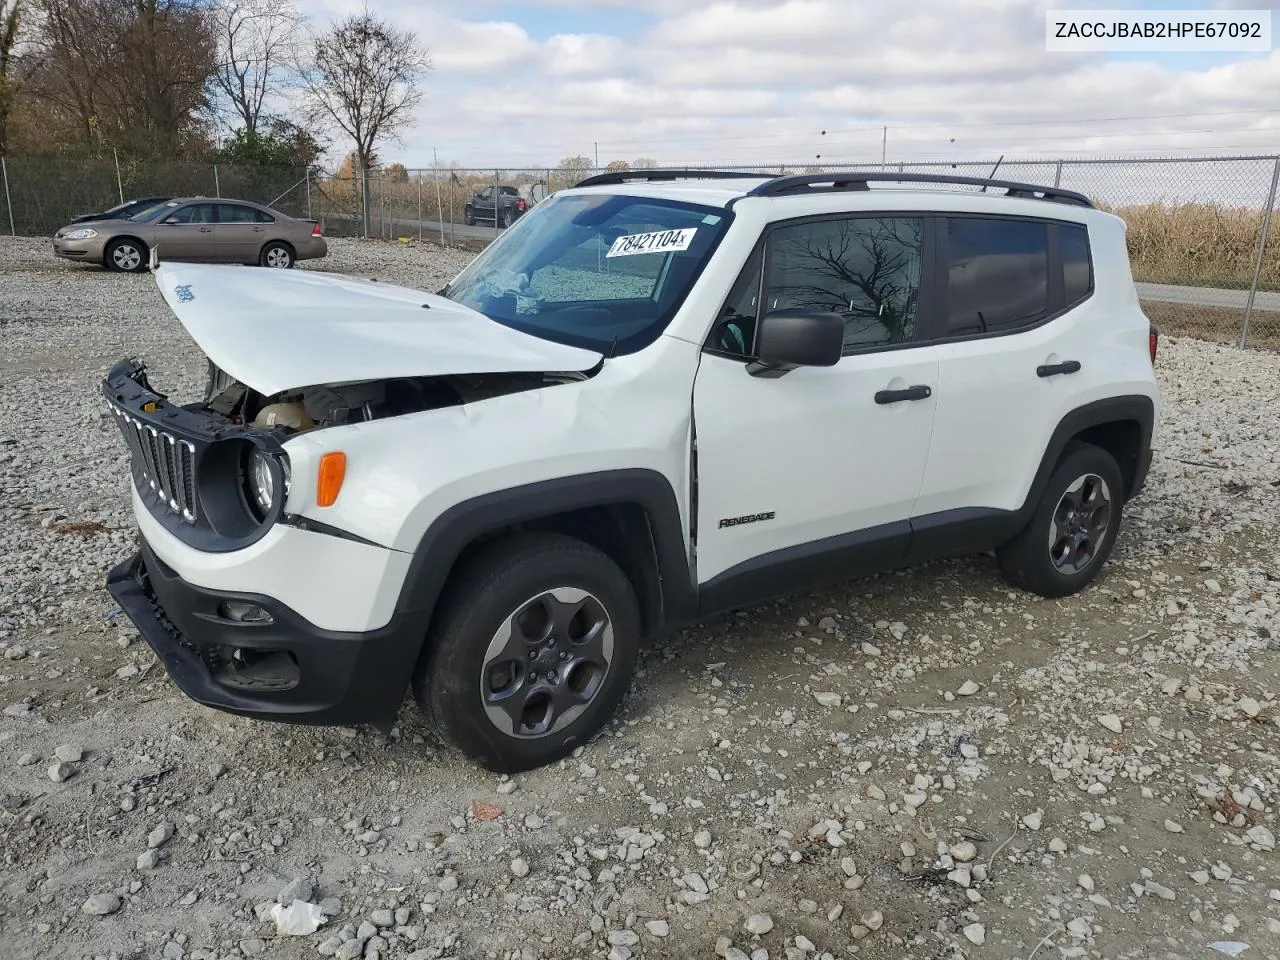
(277, 330)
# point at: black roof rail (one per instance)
(781, 186)
(625, 176)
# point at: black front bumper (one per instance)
(303, 674)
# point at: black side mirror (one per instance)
(792, 338)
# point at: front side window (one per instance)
(195, 213)
(998, 274)
(867, 269)
(606, 272)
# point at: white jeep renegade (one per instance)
(659, 395)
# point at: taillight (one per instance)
(1153, 342)
(315, 230)
(521, 204)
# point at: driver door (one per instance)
(812, 475)
(188, 233)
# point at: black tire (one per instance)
(125, 255)
(278, 255)
(469, 216)
(460, 666)
(507, 218)
(1080, 509)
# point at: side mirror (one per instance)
(169, 220)
(792, 338)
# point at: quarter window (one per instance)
(867, 269)
(1077, 267)
(999, 274)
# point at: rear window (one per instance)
(998, 274)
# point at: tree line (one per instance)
(248, 81)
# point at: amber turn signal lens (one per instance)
(333, 469)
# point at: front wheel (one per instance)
(1073, 529)
(531, 653)
(469, 216)
(126, 255)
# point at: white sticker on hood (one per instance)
(660, 241)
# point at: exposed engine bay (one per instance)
(332, 405)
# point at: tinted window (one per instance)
(261, 217)
(195, 213)
(999, 274)
(234, 213)
(1077, 267)
(735, 329)
(865, 269)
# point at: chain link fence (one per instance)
(1199, 229)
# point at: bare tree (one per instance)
(363, 76)
(12, 70)
(257, 39)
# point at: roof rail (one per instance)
(625, 176)
(781, 186)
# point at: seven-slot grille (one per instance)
(164, 463)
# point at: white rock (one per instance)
(827, 699)
(873, 920)
(101, 904)
(1086, 882)
(1111, 722)
(657, 928)
(1201, 877)
(1249, 706)
(1171, 686)
(298, 919)
(1173, 826)
(969, 751)
(520, 867)
(160, 835)
(968, 689)
(61, 772)
(1261, 838)
(759, 924)
(1213, 586)
(623, 938)
(1057, 845)
(69, 753)
(1080, 929)
(148, 860)
(976, 934)
(1033, 821)
(849, 866)
(702, 839)
(961, 876)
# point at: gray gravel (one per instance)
(927, 764)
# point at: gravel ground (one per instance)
(921, 765)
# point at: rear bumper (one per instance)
(301, 673)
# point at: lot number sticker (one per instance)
(660, 241)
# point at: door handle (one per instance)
(918, 392)
(206, 229)
(257, 229)
(1051, 369)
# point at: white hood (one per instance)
(276, 330)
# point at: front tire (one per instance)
(1073, 529)
(125, 255)
(531, 652)
(469, 216)
(277, 255)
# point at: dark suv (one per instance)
(510, 205)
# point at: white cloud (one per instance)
(583, 53)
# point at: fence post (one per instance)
(435, 175)
(1262, 246)
(217, 187)
(308, 193)
(419, 206)
(1057, 175)
(497, 202)
(4, 171)
(119, 183)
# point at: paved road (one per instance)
(1207, 296)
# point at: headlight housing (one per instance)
(266, 480)
(82, 234)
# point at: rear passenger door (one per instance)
(1016, 307)
(240, 233)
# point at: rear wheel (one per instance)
(1073, 529)
(531, 653)
(277, 255)
(507, 218)
(126, 255)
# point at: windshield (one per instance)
(147, 212)
(600, 271)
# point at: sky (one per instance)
(529, 82)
